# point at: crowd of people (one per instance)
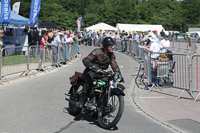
(54, 40)
(59, 40)
(150, 40)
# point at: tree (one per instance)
(172, 14)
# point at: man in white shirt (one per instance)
(55, 44)
(164, 44)
(68, 46)
(62, 49)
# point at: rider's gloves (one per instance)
(95, 67)
(118, 76)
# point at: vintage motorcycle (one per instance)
(105, 100)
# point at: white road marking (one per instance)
(152, 97)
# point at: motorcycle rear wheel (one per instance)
(73, 110)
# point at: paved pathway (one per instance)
(37, 105)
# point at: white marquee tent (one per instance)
(139, 27)
(101, 26)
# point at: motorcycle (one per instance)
(105, 99)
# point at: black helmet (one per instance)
(108, 41)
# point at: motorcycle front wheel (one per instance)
(109, 116)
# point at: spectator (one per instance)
(154, 49)
(130, 36)
(76, 39)
(1, 42)
(136, 37)
(30, 37)
(164, 44)
(162, 33)
(147, 38)
(143, 38)
(43, 43)
(50, 38)
(117, 36)
(156, 34)
(25, 31)
(61, 49)
(55, 44)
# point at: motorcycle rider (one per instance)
(99, 58)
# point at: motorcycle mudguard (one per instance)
(117, 91)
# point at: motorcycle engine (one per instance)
(91, 105)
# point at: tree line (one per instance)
(172, 14)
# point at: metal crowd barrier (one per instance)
(186, 45)
(25, 59)
(176, 73)
(13, 61)
(147, 65)
(167, 73)
(195, 75)
(127, 46)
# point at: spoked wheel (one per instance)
(110, 115)
(73, 110)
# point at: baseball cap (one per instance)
(155, 31)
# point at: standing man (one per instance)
(164, 44)
(55, 45)
(61, 49)
(76, 41)
(156, 34)
(162, 33)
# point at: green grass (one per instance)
(13, 60)
(20, 59)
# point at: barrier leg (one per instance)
(179, 97)
(27, 68)
(154, 86)
(197, 97)
(3, 77)
(44, 60)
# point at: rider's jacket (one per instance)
(101, 58)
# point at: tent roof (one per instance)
(47, 25)
(101, 26)
(139, 27)
(16, 19)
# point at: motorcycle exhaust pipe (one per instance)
(67, 99)
(67, 94)
(71, 102)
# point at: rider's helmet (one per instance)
(108, 41)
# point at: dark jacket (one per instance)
(101, 58)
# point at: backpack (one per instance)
(163, 57)
(170, 56)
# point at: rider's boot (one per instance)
(82, 100)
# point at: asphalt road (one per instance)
(37, 105)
